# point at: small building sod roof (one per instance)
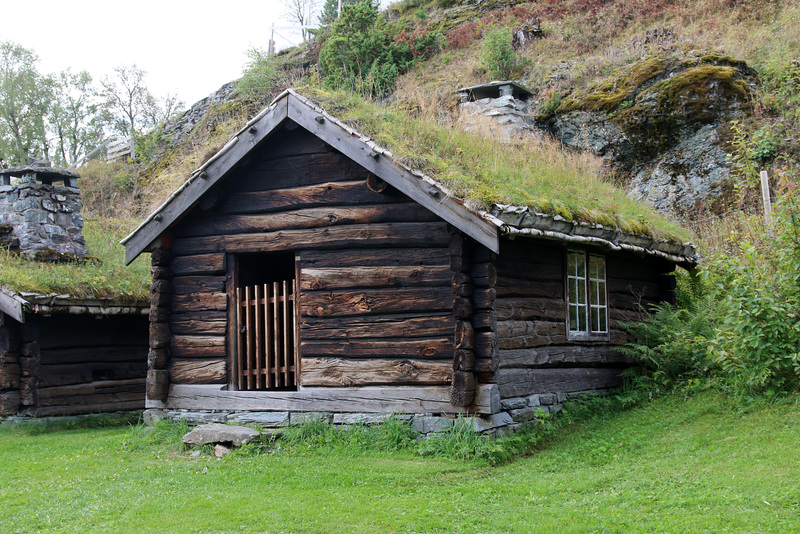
(474, 186)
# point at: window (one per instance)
(587, 307)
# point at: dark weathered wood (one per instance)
(308, 218)
(379, 301)
(376, 184)
(355, 235)
(161, 273)
(9, 403)
(197, 347)
(464, 335)
(160, 293)
(448, 208)
(198, 302)
(373, 277)
(183, 285)
(346, 372)
(378, 326)
(60, 375)
(296, 170)
(158, 358)
(530, 270)
(96, 407)
(519, 334)
(373, 257)
(351, 192)
(561, 356)
(486, 345)
(484, 298)
(157, 385)
(367, 399)
(522, 382)
(520, 309)
(159, 314)
(464, 360)
(486, 365)
(9, 375)
(484, 274)
(160, 257)
(205, 322)
(198, 264)
(193, 190)
(198, 371)
(160, 335)
(108, 353)
(428, 349)
(462, 308)
(484, 320)
(515, 287)
(462, 390)
(28, 394)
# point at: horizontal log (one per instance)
(514, 287)
(346, 372)
(62, 375)
(198, 264)
(379, 301)
(431, 234)
(102, 407)
(378, 326)
(108, 354)
(520, 309)
(68, 331)
(92, 388)
(633, 288)
(136, 395)
(159, 314)
(367, 399)
(9, 376)
(373, 257)
(200, 323)
(158, 358)
(9, 403)
(160, 257)
(156, 385)
(528, 270)
(462, 308)
(486, 345)
(161, 273)
(373, 277)
(352, 192)
(198, 347)
(522, 382)
(523, 250)
(429, 349)
(197, 371)
(486, 365)
(521, 334)
(197, 302)
(484, 274)
(160, 335)
(561, 356)
(301, 170)
(184, 285)
(309, 218)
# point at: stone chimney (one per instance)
(40, 219)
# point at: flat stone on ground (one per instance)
(218, 433)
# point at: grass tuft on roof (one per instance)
(107, 279)
(482, 171)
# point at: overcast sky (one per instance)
(186, 47)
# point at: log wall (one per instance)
(373, 270)
(73, 364)
(533, 352)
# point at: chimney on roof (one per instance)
(40, 213)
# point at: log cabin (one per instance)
(304, 268)
(61, 354)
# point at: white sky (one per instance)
(186, 47)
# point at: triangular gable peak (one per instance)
(484, 228)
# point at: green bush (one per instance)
(498, 55)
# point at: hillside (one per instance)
(661, 92)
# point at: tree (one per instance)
(75, 121)
(126, 98)
(25, 99)
(302, 12)
(158, 111)
(330, 10)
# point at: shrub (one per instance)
(498, 55)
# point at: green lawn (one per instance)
(672, 465)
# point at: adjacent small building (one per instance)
(303, 269)
(62, 354)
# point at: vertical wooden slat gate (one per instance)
(267, 319)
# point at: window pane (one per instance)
(596, 319)
(573, 318)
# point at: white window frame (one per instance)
(586, 296)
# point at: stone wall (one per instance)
(42, 221)
(508, 116)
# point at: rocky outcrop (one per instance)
(179, 129)
(657, 122)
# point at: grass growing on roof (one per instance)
(108, 278)
(482, 171)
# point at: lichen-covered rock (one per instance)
(657, 122)
(219, 433)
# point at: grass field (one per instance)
(672, 465)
